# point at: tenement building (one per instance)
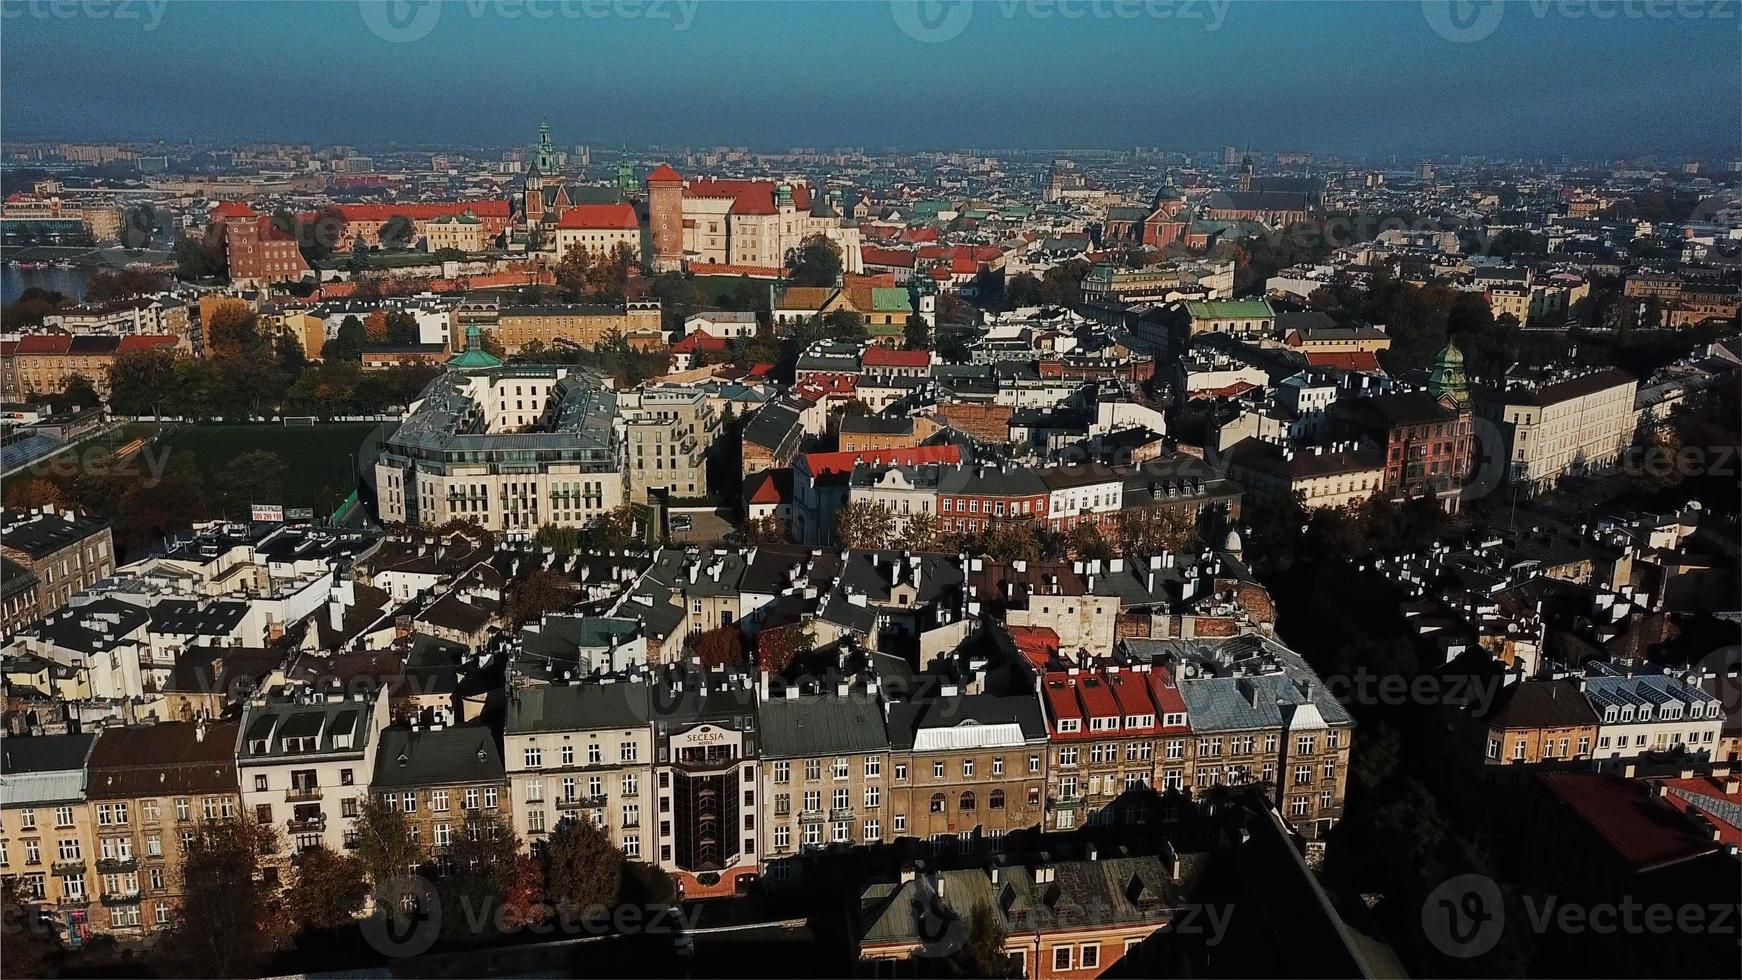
(440, 777)
(1562, 427)
(509, 448)
(581, 751)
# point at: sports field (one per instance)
(317, 458)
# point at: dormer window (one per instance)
(341, 740)
(1610, 713)
(1133, 721)
(258, 746)
(1645, 712)
(1070, 725)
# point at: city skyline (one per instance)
(1182, 76)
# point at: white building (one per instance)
(304, 759)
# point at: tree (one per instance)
(397, 232)
(544, 591)
(480, 869)
(866, 525)
(982, 952)
(764, 530)
(920, 532)
(194, 262)
(32, 945)
(574, 272)
(817, 262)
(329, 890)
(583, 869)
(31, 306)
(523, 900)
(916, 335)
(1085, 542)
(233, 331)
(721, 647)
(1011, 541)
(386, 848)
(349, 340)
(109, 285)
(1152, 530)
(78, 392)
(256, 476)
(613, 530)
(32, 493)
(229, 917)
(141, 381)
(563, 540)
(1022, 290)
(402, 328)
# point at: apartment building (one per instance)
(667, 432)
(826, 770)
(304, 758)
(1339, 475)
(66, 551)
(1111, 731)
(149, 787)
(1536, 721)
(968, 745)
(1258, 714)
(1563, 427)
(1643, 713)
(47, 844)
(599, 230)
(707, 777)
(439, 776)
(1426, 440)
(566, 324)
(581, 751)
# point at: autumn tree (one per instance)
(229, 917)
(328, 891)
(29, 494)
(1012, 541)
(375, 327)
(864, 525)
(233, 330)
(397, 232)
(523, 900)
(777, 647)
(583, 869)
(574, 272)
(1085, 542)
(721, 647)
(764, 530)
(613, 530)
(920, 532)
(544, 591)
(386, 848)
(1152, 530)
(256, 476)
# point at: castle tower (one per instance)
(665, 217)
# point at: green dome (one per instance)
(1448, 374)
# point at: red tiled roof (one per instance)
(1720, 791)
(829, 464)
(700, 340)
(620, 217)
(876, 255)
(234, 209)
(880, 356)
(1132, 692)
(748, 196)
(147, 341)
(1346, 361)
(44, 343)
(753, 271)
(664, 174)
(820, 386)
(421, 210)
(1642, 830)
(1062, 700)
(1037, 643)
(772, 487)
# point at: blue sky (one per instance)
(1371, 78)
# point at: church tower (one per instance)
(543, 166)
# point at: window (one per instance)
(534, 757)
(873, 831)
(937, 770)
(472, 798)
(63, 816)
(873, 797)
(535, 791)
(1033, 764)
(1061, 957)
(535, 821)
(968, 802)
(444, 834)
(260, 783)
(783, 772)
(873, 767)
(626, 751)
(998, 766)
(901, 770)
(995, 800)
(782, 838)
(69, 849)
(595, 754)
(840, 767)
(438, 800)
(1088, 957)
(900, 824)
(937, 803)
(490, 797)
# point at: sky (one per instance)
(1531, 78)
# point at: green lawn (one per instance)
(317, 459)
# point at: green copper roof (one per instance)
(1448, 374)
(475, 357)
(1219, 309)
(886, 298)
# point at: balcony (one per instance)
(121, 898)
(73, 902)
(117, 865)
(579, 802)
(67, 867)
(302, 794)
(307, 825)
(810, 816)
(1067, 802)
(841, 813)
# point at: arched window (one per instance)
(937, 803)
(996, 800)
(968, 801)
